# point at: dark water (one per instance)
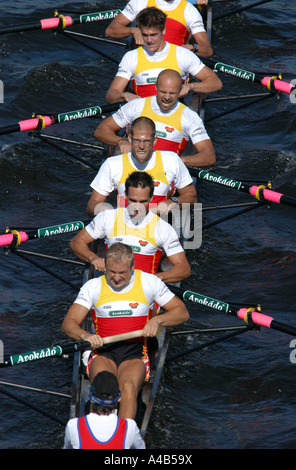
(237, 394)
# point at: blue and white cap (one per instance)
(104, 389)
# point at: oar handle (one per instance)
(123, 336)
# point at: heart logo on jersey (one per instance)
(169, 129)
(133, 304)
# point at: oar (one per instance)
(257, 191)
(54, 351)
(62, 21)
(39, 122)
(249, 315)
(238, 10)
(272, 83)
(21, 236)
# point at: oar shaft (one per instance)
(51, 351)
(278, 85)
(243, 313)
(54, 351)
(274, 196)
(267, 194)
(33, 123)
(266, 321)
(7, 238)
(53, 23)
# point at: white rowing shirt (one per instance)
(171, 127)
(123, 310)
(177, 11)
(166, 169)
(149, 238)
(145, 72)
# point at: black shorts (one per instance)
(123, 351)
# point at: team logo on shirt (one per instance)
(156, 183)
(133, 304)
(119, 313)
(161, 134)
(169, 129)
(143, 242)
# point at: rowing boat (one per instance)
(147, 397)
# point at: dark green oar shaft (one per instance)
(40, 121)
(250, 316)
(62, 21)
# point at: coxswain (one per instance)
(102, 428)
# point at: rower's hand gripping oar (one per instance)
(61, 21)
(260, 192)
(249, 315)
(39, 122)
(15, 237)
(274, 83)
(60, 350)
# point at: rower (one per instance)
(139, 227)
(121, 299)
(175, 123)
(142, 65)
(102, 428)
(182, 19)
(166, 169)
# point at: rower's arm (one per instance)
(79, 246)
(204, 156)
(176, 313)
(187, 195)
(120, 28)
(204, 45)
(180, 269)
(117, 93)
(95, 200)
(106, 132)
(71, 326)
(208, 82)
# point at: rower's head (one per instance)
(141, 136)
(151, 22)
(104, 393)
(139, 188)
(120, 263)
(168, 87)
